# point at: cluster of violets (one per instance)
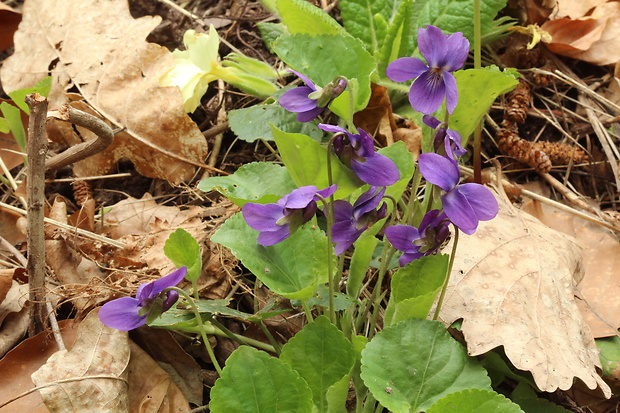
(464, 205)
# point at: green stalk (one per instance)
(450, 264)
(203, 333)
(477, 65)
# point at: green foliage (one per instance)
(253, 381)
(414, 288)
(364, 248)
(12, 118)
(526, 398)
(410, 365)
(367, 20)
(455, 16)
(299, 16)
(473, 401)
(478, 89)
(323, 357)
(292, 268)
(183, 250)
(403, 159)
(398, 40)
(306, 161)
(4, 126)
(252, 123)
(42, 88)
(609, 349)
(258, 182)
(270, 32)
(322, 58)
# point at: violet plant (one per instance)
(326, 228)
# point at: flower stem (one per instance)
(477, 65)
(240, 339)
(450, 264)
(203, 334)
(307, 310)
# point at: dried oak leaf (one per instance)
(94, 371)
(513, 284)
(98, 48)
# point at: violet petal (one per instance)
(169, 280)
(402, 237)
(297, 100)
(481, 199)
(262, 217)
(268, 238)
(433, 45)
(460, 212)
(377, 170)
(458, 47)
(427, 92)
(451, 91)
(122, 314)
(309, 115)
(405, 68)
(439, 170)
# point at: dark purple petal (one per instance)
(297, 100)
(327, 192)
(405, 68)
(368, 201)
(309, 115)
(402, 237)
(451, 91)
(481, 199)
(279, 234)
(431, 121)
(300, 198)
(343, 211)
(407, 257)
(377, 170)
(367, 144)
(431, 219)
(459, 211)
(122, 314)
(344, 234)
(427, 92)
(433, 46)
(331, 128)
(305, 79)
(439, 170)
(169, 280)
(262, 217)
(171, 298)
(458, 50)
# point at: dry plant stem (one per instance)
(76, 153)
(568, 194)
(55, 329)
(75, 230)
(450, 265)
(18, 255)
(35, 189)
(221, 118)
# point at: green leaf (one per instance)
(258, 182)
(478, 89)
(4, 126)
(529, 402)
(252, 123)
(322, 356)
(299, 16)
(609, 349)
(412, 364)
(306, 161)
(292, 268)
(397, 40)
(13, 118)
(253, 381)
(455, 16)
(323, 58)
(359, 17)
(183, 250)
(364, 248)
(474, 401)
(414, 288)
(403, 159)
(42, 88)
(270, 32)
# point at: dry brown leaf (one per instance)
(98, 351)
(592, 38)
(600, 287)
(9, 19)
(575, 8)
(99, 48)
(513, 285)
(22, 361)
(14, 316)
(377, 118)
(150, 388)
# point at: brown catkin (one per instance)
(82, 192)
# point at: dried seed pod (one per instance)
(518, 103)
(82, 192)
(561, 153)
(511, 144)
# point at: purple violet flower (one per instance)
(127, 313)
(465, 205)
(450, 139)
(350, 221)
(433, 81)
(278, 221)
(310, 101)
(357, 151)
(418, 242)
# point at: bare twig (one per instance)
(104, 133)
(18, 255)
(54, 324)
(37, 149)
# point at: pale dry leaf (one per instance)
(513, 284)
(574, 8)
(99, 48)
(98, 351)
(14, 300)
(151, 390)
(592, 38)
(600, 287)
(14, 316)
